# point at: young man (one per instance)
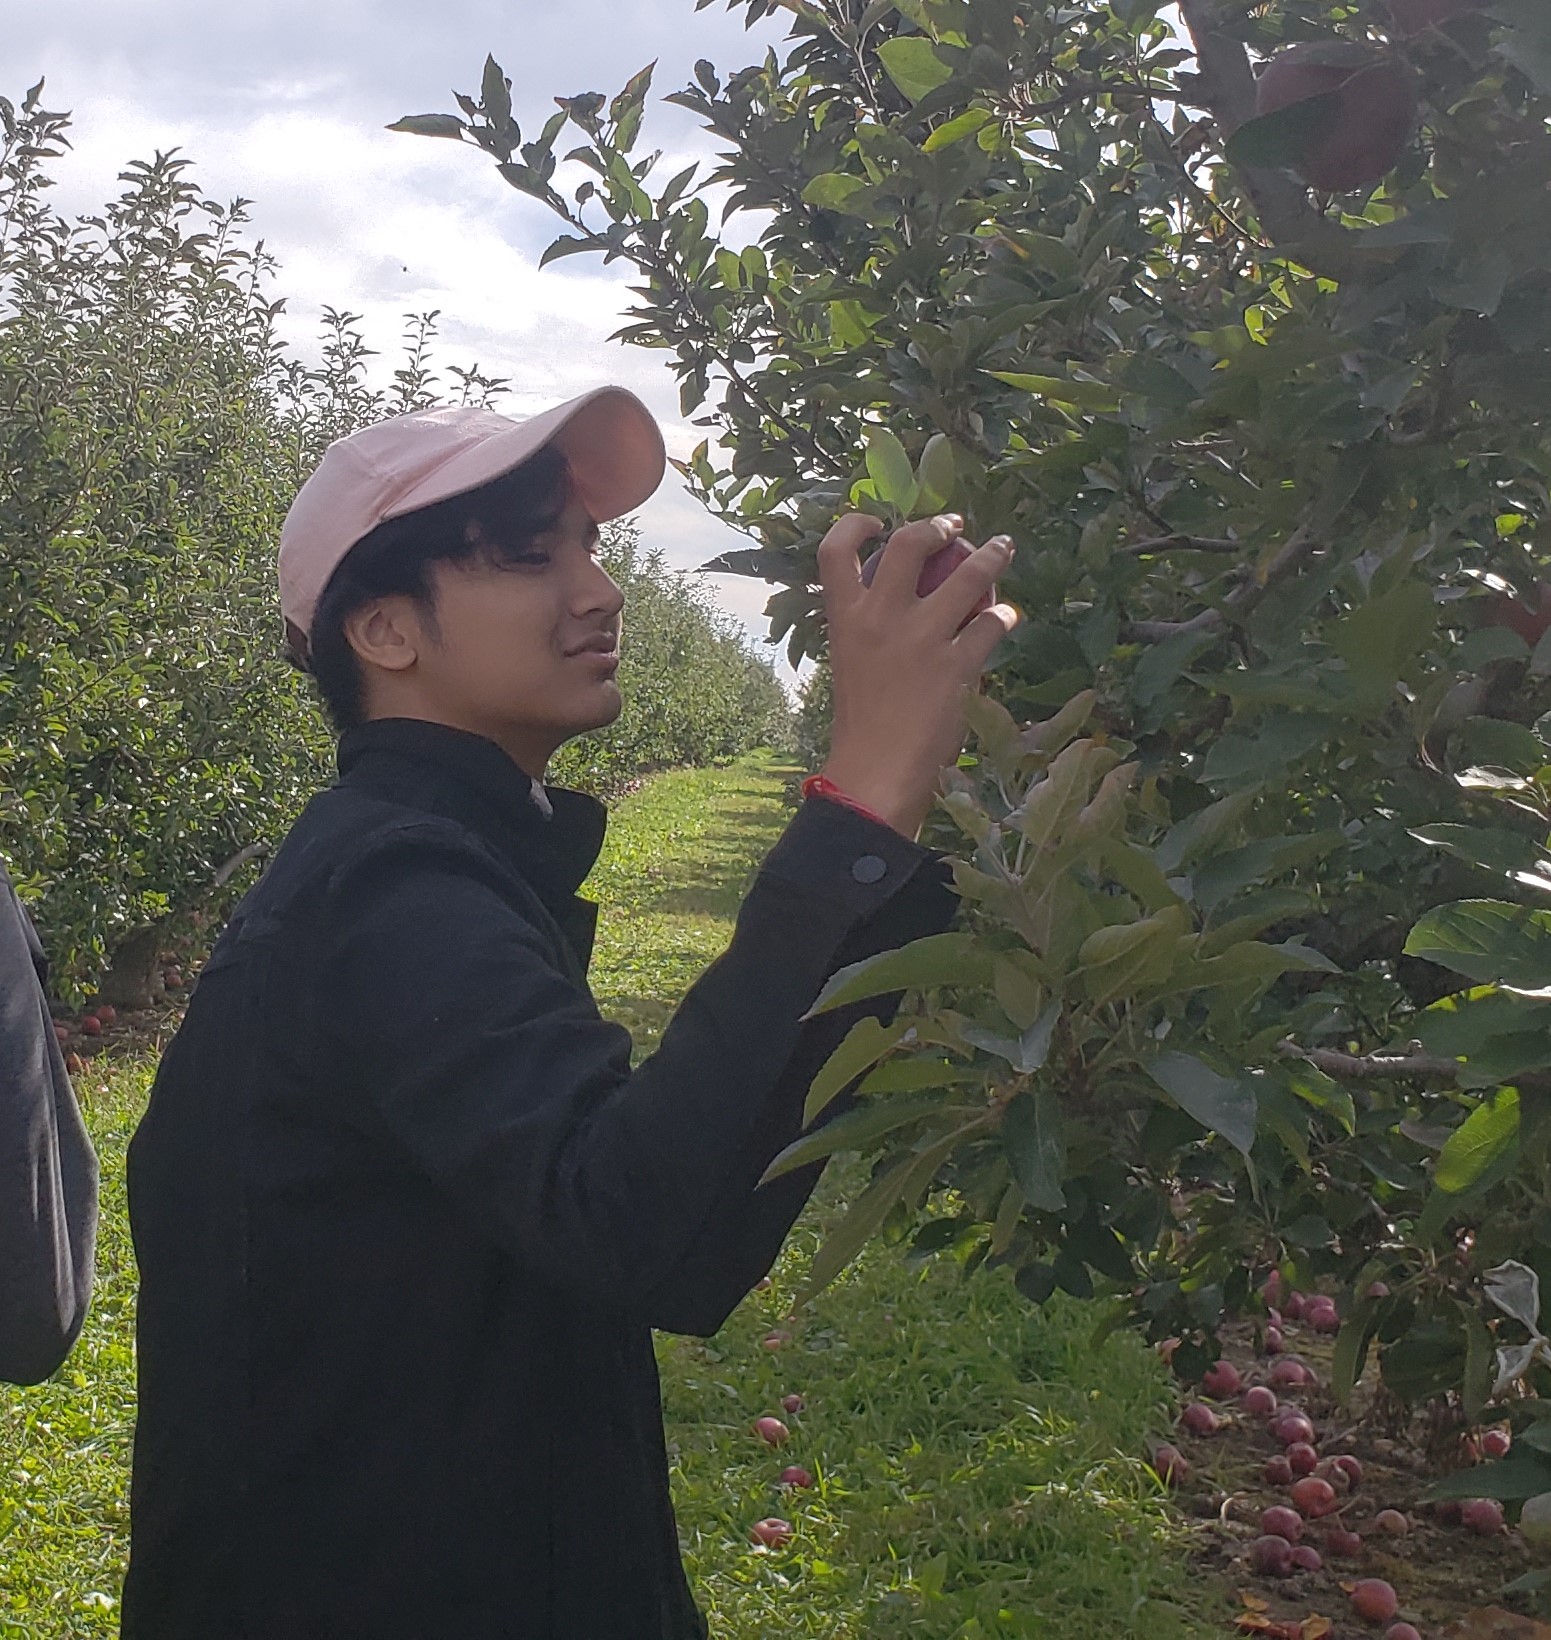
(404, 1213)
(48, 1171)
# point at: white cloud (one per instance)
(277, 104)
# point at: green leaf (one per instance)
(1275, 142)
(1493, 847)
(1062, 390)
(568, 245)
(1480, 1140)
(1279, 738)
(831, 190)
(910, 1075)
(1487, 940)
(855, 1130)
(889, 468)
(1226, 874)
(956, 129)
(939, 959)
(1381, 638)
(495, 94)
(1522, 1474)
(912, 63)
(1222, 1104)
(858, 1227)
(1034, 1139)
(1324, 1093)
(936, 474)
(431, 125)
(1201, 831)
(862, 1047)
(1351, 1352)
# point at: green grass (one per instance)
(977, 1461)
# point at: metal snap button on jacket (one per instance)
(868, 869)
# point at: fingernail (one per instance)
(1004, 542)
(948, 521)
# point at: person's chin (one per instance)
(604, 707)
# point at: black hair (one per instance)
(495, 524)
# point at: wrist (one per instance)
(870, 798)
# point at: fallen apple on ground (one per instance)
(1271, 1556)
(772, 1533)
(771, 1431)
(796, 1475)
(1374, 1600)
(792, 1403)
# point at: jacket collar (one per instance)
(468, 778)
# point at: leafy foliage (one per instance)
(1279, 470)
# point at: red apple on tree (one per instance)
(934, 572)
(1365, 133)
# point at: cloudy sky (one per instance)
(284, 102)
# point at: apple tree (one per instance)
(1236, 317)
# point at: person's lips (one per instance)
(602, 643)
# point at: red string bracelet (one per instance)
(820, 785)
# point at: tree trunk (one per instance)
(134, 976)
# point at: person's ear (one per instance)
(386, 633)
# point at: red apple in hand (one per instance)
(934, 572)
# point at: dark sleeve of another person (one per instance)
(489, 1068)
(48, 1171)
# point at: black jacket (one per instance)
(48, 1173)
(406, 1217)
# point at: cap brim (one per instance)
(611, 442)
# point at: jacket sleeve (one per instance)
(742, 1234)
(492, 1073)
(48, 1171)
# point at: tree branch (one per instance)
(225, 873)
(1294, 227)
(1181, 543)
(1365, 1067)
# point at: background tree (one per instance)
(1257, 372)
(153, 429)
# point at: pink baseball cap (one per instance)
(609, 438)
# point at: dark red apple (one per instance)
(1483, 1515)
(1271, 1556)
(90, 1025)
(1341, 1543)
(1302, 1459)
(1199, 1419)
(771, 1431)
(1402, 1631)
(74, 1064)
(1221, 1380)
(1306, 1557)
(1293, 1429)
(1366, 132)
(796, 1475)
(1349, 1469)
(775, 1340)
(934, 572)
(1289, 1373)
(1169, 1463)
(1274, 1341)
(172, 978)
(1277, 1472)
(61, 1032)
(1391, 1522)
(1280, 1521)
(1374, 1600)
(1314, 1498)
(1495, 1443)
(792, 1403)
(1259, 1401)
(772, 1533)
(763, 1285)
(106, 1012)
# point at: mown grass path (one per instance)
(977, 1461)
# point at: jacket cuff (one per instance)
(855, 863)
